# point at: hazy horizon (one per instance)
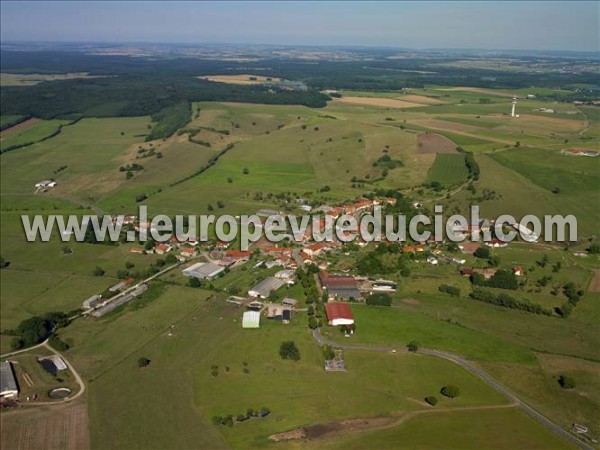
(533, 26)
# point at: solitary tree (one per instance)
(143, 362)
(194, 282)
(566, 382)
(432, 400)
(413, 346)
(288, 350)
(450, 391)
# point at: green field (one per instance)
(273, 155)
(32, 133)
(458, 430)
(448, 169)
(207, 333)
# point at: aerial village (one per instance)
(328, 273)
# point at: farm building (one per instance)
(290, 302)
(92, 301)
(383, 285)
(339, 286)
(265, 287)
(120, 285)
(343, 293)
(203, 271)
(279, 312)
(46, 184)
(8, 381)
(235, 300)
(580, 152)
(286, 274)
(238, 254)
(339, 313)
(161, 249)
(266, 212)
(52, 364)
(120, 300)
(255, 305)
(251, 319)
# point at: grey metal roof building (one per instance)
(203, 270)
(8, 382)
(343, 293)
(264, 288)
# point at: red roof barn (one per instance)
(339, 313)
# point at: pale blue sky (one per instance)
(492, 25)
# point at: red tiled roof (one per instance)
(338, 310)
(238, 253)
(277, 250)
(317, 246)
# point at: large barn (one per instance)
(339, 313)
(8, 382)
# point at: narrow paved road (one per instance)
(483, 375)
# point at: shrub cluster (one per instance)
(507, 301)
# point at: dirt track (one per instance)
(595, 283)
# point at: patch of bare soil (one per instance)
(411, 301)
(321, 430)
(421, 99)
(58, 427)
(19, 126)
(378, 101)
(435, 143)
(300, 433)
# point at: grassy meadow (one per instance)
(271, 154)
(185, 332)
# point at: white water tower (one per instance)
(514, 105)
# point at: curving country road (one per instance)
(480, 373)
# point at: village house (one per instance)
(238, 254)
(496, 243)
(161, 249)
(413, 248)
(188, 252)
(315, 249)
